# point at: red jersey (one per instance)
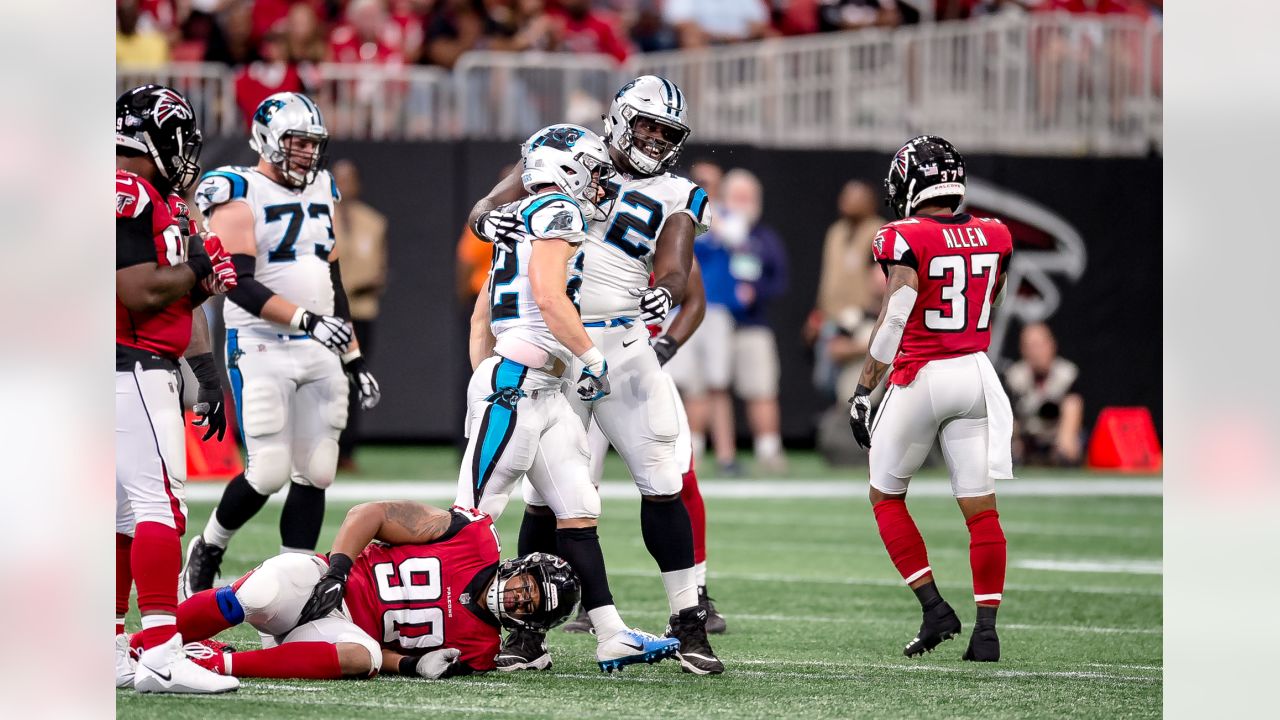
(140, 209)
(416, 598)
(958, 259)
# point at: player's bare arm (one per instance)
(692, 310)
(673, 258)
(395, 522)
(481, 341)
(200, 343)
(900, 276)
(148, 287)
(508, 190)
(233, 223)
(548, 274)
(899, 298)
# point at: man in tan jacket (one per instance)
(364, 275)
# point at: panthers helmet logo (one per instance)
(170, 104)
(267, 109)
(561, 138)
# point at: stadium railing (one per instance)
(1043, 84)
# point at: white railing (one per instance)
(1043, 84)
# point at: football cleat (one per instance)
(689, 626)
(580, 624)
(939, 624)
(628, 647)
(715, 621)
(984, 644)
(204, 561)
(523, 650)
(167, 669)
(208, 654)
(126, 663)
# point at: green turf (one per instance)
(817, 619)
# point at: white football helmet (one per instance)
(658, 99)
(283, 115)
(573, 159)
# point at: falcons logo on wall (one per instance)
(170, 104)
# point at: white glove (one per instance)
(435, 663)
(499, 228)
(655, 303)
(332, 332)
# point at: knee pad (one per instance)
(268, 469)
(262, 408)
(336, 408)
(322, 466)
(661, 410)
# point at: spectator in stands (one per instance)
(305, 36)
(700, 23)
(237, 47)
(648, 31)
(759, 268)
(407, 15)
(1048, 412)
(834, 15)
(522, 25)
(579, 29)
(137, 47)
(367, 36)
(272, 74)
(795, 17)
(363, 231)
(456, 26)
(267, 13)
(839, 352)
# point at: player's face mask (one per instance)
(303, 157)
(521, 597)
(655, 139)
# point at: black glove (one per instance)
(860, 416)
(499, 228)
(362, 381)
(664, 346)
(210, 409)
(326, 596)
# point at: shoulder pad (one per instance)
(554, 215)
(333, 187)
(699, 207)
(220, 186)
(889, 245)
(133, 195)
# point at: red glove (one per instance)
(224, 273)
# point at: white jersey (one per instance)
(293, 229)
(619, 251)
(513, 311)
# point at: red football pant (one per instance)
(692, 498)
(295, 660)
(200, 618)
(156, 557)
(124, 578)
(902, 539)
(987, 557)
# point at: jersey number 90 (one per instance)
(416, 580)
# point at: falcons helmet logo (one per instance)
(170, 104)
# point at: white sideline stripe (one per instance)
(1127, 566)
(798, 488)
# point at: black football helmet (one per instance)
(158, 122)
(926, 167)
(558, 592)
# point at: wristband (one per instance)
(861, 390)
(205, 370)
(201, 266)
(298, 316)
(351, 356)
(339, 564)
(592, 358)
(408, 666)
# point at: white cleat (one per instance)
(167, 669)
(125, 664)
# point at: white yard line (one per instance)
(1128, 566)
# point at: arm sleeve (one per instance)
(341, 306)
(248, 292)
(884, 346)
(135, 244)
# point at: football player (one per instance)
(519, 420)
(649, 230)
(164, 271)
(291, 350)
(407, 589)
(946, 272)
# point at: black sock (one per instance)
(667, 533)
(537, 531)
(239, 503)
(987, 614)
(302, 517)
(580, 547)
(928, 595)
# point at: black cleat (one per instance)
(580, 624)
(715, 621)
(940, 624)
(984, 644)
(204, 562)
(689, 626)
(523, 650)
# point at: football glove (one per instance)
(436, 663)
(223, 278)
(593, 383)
(332, 332)
(665, 348)
(209, 409)
(499, 228)
(362, 381)
(860, 416)
(655, 303)
(326, 596)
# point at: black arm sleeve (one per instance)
(134, 242)
(341, 307)
(248, 292)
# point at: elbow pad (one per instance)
(248, 292)
(884, 346)
(341, 306)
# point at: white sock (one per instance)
(682, 589)
(606, 621)
(304, 551)
(768, 445)
(215, 534)
(700, 573)
(159, 620)
(699, 446)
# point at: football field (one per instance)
(817, 615)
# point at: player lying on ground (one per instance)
(408, 589)
(946, 273)
(649, 231)
(518, 419)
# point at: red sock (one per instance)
(157, 559)
(124, 578)
(201, 616)
(295, 660)
(692, 498)
(987, 557)
(902, 539)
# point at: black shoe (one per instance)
(940, 623)
(715, 621)
(689, 626)
(204, 562)
(580, 624)
(523, 650)
(984, 644)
